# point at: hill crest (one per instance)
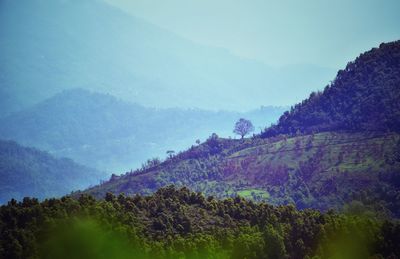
(363, 97)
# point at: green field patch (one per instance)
(250, 193)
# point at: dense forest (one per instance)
(31, 172)
(363, 97)
(177, 223)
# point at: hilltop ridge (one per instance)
(363, 97)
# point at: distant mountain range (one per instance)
(48, 46)
(337, 147)
(104, 132)
(34, 173)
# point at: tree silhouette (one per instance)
(243, 127)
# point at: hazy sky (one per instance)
(326, 33)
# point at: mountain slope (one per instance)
(363, 96)
(104, 132)
(323, 170)
(30, 172)
(49, 46)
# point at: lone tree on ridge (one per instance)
(243, 127)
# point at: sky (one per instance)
(278, 33)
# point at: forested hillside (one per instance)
(325, 170)
(353, 159)
(109, 134)
(363, 97)
(182, 224)
(30, 172)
